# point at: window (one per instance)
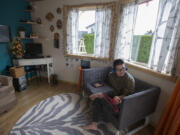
(88, 30)
(143, 31)
(149, 34)
(134, 39)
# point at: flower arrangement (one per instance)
(17, 48)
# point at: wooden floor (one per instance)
(35, 93)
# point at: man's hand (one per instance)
(97, 95)
(117, 100)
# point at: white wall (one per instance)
(70, 73)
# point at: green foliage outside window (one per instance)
(140, 50)
(144, 48)
(89, 43)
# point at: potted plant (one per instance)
(17, 48)
(21, 32)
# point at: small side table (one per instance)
(80, 82)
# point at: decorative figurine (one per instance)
(56, 40)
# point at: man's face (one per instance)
(120, 70)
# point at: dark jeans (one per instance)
(100, 104)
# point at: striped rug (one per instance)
(63, 114)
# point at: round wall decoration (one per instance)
(59, 10)
(49, 16)
(38, 20)
(59, 24)
(51, 28)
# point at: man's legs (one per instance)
(99, 104)
(97, 108)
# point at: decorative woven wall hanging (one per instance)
(49, 16)
(59, 24)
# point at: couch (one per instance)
(136, 107)
(7, 94)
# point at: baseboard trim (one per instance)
(62, 81)
(68, 82)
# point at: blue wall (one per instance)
(11, 11)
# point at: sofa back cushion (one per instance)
(141, 85)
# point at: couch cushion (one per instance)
(104, 89)
(141, 85)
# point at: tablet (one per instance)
(97, 84)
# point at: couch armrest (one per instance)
(137, 106)
(95, 74)
(6, 80)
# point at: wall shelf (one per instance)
(28, 22)
(28, 10)
(28, 38)
(34, 0)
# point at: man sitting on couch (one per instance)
(122, 83)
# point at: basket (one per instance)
(17, 72)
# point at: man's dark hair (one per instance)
(117, 62)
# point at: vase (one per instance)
(22, 34)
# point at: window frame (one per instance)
(150, 71)
(137, 65)
(67, 8)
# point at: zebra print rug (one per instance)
(63, 114)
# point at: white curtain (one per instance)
(103, 20)
(166, 37)
(72, 31)
(125, 31)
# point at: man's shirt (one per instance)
(123, 86)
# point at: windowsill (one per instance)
(86, 56)
(151, 72)
(139, 66)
